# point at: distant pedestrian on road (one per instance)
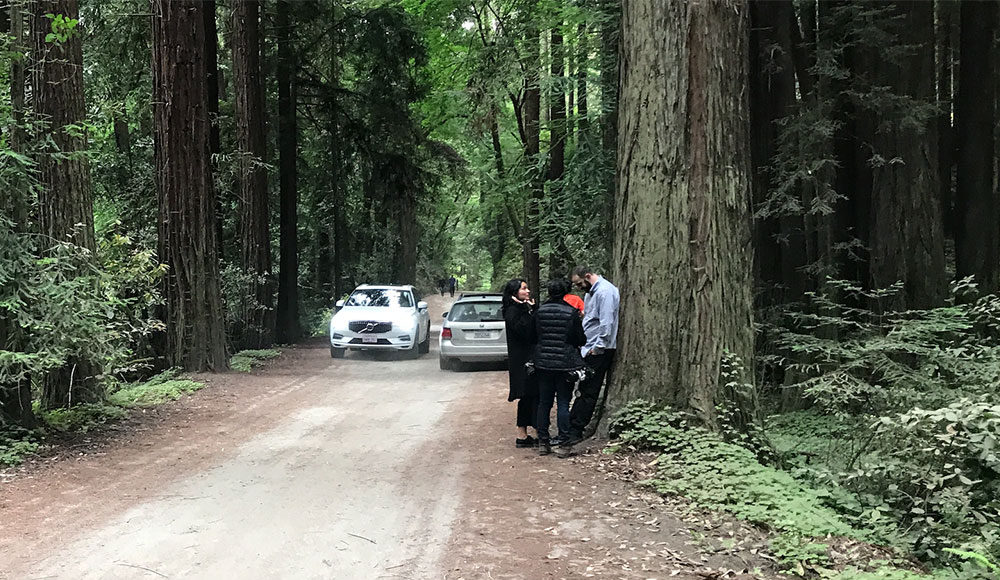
(559, 334)
(519, 320)
(452, 284)
(600, 324)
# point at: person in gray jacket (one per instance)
(559, 336)
(600, 323)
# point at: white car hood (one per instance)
(399, 316)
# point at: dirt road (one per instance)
(318, 468)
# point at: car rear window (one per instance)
(475, 312)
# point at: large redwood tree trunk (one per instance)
(683, 255)
(65, 202)
(287, 324)
(977, 208)
(907, 230)
(256, 330)
(185, 192)
(532, 139)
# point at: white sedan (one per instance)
(381, 318)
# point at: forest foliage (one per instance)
(478, 138)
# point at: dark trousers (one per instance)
(553, 385)
(527, 411)
(590, 389)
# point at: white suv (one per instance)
(381, 318)
(473, 331)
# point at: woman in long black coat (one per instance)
(519, 318)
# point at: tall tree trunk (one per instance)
(611, 17)
(683, 254)
(532, 130)
(772, 97)
(287, 325)
(212, 84)
(65, 202)
(255, 237)
(195, 330)
(582, 67)
(337, 200)
(559, 258)
(946, 19)
(407, 226)
(907, 238)
(977, 209)
(15, 395)
(852, 140)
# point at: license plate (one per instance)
(482, 334)
(369, 339)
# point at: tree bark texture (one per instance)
(683, 252)
(287, 324)
(212, 84)
(946, 19)
(195, 330)
(907, 237)
(532, 131)
(257, 315)
(65, 202)
(977, 209)
(611, 21)
(559, 255)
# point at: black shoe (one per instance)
(557, 440)
(544, 447)
(528, 441)
(571, 440)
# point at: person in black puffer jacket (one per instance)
(559, 335)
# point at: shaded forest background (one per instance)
(807, 188)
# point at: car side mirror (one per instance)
(421, 305)
(445, 315)
(340, 304)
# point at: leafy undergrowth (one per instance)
(167, 386)
(247, 360)
(809, 537)
(17, 444)
(81, 418)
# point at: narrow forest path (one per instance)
(366, 467)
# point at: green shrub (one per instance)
(82, 418)
(247, 360)
(160, 389)
(697, 464)
(16, 443)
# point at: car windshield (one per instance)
(381, 297)
(476, 312)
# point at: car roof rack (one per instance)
(479, 295)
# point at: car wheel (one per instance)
(425, 346)
(337, 352)
(445, 363)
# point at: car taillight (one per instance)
(446, 333)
